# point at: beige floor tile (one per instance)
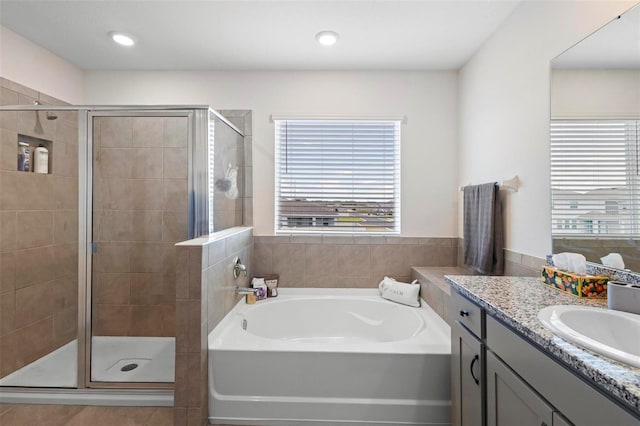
(161, 417)
(110, 416)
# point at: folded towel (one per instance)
(396, 291)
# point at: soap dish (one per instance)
(624, 297)
(584, 286)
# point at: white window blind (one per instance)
(595, 187)
(338, 175)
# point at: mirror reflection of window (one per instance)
(595, 144)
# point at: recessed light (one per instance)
(327, 38)
(122, 38)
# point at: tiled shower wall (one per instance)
(348, 261)
(38, 233)
(205, 294)
(140, 212)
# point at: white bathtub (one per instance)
(330, 356)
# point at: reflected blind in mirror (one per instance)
(595, 187)
(337, 176)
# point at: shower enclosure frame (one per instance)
(200, 222)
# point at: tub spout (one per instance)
(249, 293)
(246, 290)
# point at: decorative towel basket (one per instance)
(588, 286)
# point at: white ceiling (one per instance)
(614, 46)
(259, 35)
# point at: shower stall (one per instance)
(87, 243)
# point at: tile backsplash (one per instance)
(347, 261)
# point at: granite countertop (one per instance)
(516, 301)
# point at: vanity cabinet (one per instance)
(518, 383)
(510, 401)
(467, 382)
(467, 361)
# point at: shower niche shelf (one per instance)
(31, 144)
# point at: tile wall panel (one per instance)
(347, 261)
(140, 212)
(38, 233)
(204, 294)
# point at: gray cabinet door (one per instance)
(559, 420)
(467, 382)
(510, 401)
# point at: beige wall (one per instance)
(426, 98)
(38, 234)
(587, 93)
(33, 66)
(503, 118)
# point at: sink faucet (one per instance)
(238, 268)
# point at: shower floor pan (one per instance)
(133, 359)
(114, 359)
(56, 369)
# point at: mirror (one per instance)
(595, 144)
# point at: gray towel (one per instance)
(483, 233)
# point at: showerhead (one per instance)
(50, 115)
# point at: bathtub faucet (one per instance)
(249, 293)
(246, 290)
(238, 268)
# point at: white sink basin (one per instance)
(613, 334)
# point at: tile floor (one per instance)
(76, 415)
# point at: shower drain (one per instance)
(129, 367)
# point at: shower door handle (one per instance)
(94, 247)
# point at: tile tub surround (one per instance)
(515, 264)
(347, 261)
(516, 301)
(205, 292)
(38, 234)
(435, 290)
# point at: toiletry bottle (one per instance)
(41, 160)
(24, 160)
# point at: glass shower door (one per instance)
(139, 211)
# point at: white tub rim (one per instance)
(437, 330)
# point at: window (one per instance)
(338, 176)
(595, 184)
